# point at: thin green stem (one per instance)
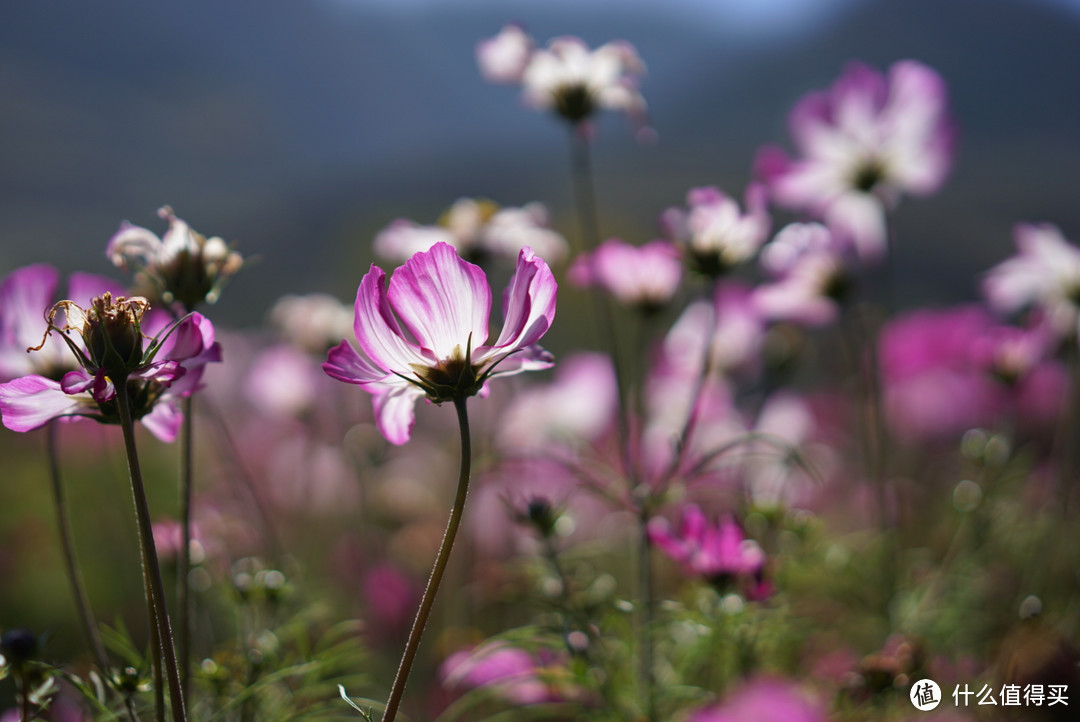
(441, 560)
(183, 569)
(159, 614)
(67, 544)
(645, 624)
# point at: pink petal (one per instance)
(395, 409)
(30, 402)
(528, 302)
(377, 330)
(344, 363)
(164, 421)
(442, 300)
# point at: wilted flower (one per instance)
(110, 346)
(644, 277)
(427, 334)
(1045, 273)
(812, 275)
(478, 229)
(862, 144)
(182, 266)
(567, 77)
(713, 233)
(717, 553)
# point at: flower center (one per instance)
(573, 102)
(867, 175)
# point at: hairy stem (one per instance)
(67, 544)
(159, 614)
(432, 588)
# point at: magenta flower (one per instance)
(714, 552)
(811, 268)
(567, 78)
(763, 700)
(645, 277)
(1044, 274)
(712, 231)
(24, 296)
(108, 343)
(947, 371)
(862, 144)
(426, 335)
(515, 674)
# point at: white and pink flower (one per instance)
(567, 77)
(862, 144)
(715, 235)
(1044, 274)
(426, 333)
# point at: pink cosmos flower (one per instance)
(812, 275)
(763, 700)
(567, 77)
(946, 371)
(575, 408)
(517, 675)
(25, 295)
(645, 277)
(1045, 273)
(426, 335)
(712, 231)
(708, 551)
(478, 229)
(862, 144)
(108, 344)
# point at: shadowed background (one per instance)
(299, 128)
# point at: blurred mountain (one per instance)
(299, 128)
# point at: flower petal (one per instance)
(442, 300)
(164, 421)
(377, 330)
(345, 363)
(25, 296)
(528, 302)
(133, 244)
(30, 402)
(395, 410)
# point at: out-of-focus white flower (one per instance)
(712, 231)
(1045, 273)
(478, 229)
(567, 77)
